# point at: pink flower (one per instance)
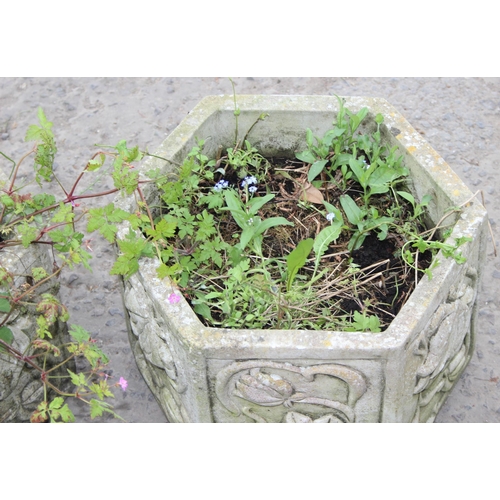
(173, 298)
(123, 383)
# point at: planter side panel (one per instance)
(172, 368)
(437, 352)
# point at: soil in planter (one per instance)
(371, 281)
(386, 294)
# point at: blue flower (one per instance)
(330, 216)
(248, 180)
(222, 184)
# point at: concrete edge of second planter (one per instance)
(20, 389)
(403, 367)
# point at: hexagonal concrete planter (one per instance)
(403, 374)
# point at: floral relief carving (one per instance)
(445, 347)
(153, 353)
(297, 394)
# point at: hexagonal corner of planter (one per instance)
(403, 374)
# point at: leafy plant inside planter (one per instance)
(332, 239)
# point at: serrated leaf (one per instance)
(79, 334)
(115, 214)
(39, 273)
(66, 414)
(64, 214)
(96, 408)
(28, 234)
(77, 379)
(33, 133)
(125, 266)
(6, 200)
(56, 403)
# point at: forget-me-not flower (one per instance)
(222, 184)
(248, 180)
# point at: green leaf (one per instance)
(6, 200)
(125, 266)
(39, 273)
(356, 119)
(6, 335)
(341, 159)
(234, 205)
(271, 222)
(316, 168)
(361, 174)
(97, 163)
(407, 197)
(255, 204)
(28, 234)
(296, 259)
(353, 212)
(96, 408)
(306, 157)
(363, 323)
(66, 414)
(101, 218)
(383, 175)
(56, 403)
(356, 240)
(64, 214)
(4, 306)
(77, 379)
(94, 355)
(79, 334)
(324, 238)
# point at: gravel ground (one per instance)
(459, 117)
